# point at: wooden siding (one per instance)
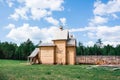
(60, 52)
(71, 55)
(47, 55)
(101, 60)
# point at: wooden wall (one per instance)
(60, 52)
(71, 55)
(46, 55)
(101, 60)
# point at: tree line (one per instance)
(9, 50)
(98, 49)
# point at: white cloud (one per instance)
(10, 2)
(34, 33)
(21, 1)
(112, 43)
(109, 33)
(89, 43)
(36, 9)
(10, 26)
(15, 16)
(115, 16)
(53, 5)
(37, 13)
(52, 20)
(105, 12)
(20, 13)
(99, 8)
(106, 33)
(63, 21)
(112, 6)
(83, 29)
(98, 20)
(91, 35)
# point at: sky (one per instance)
(87, 20)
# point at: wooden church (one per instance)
(62, 50)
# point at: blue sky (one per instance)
(87, 20)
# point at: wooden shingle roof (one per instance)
(71, 42)
(34, 53)
(46, 44)
(61, 35)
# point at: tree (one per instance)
(25, 49)
(80, 49)
(99, 43)
(39, 43)
(1, 52)
(7, 50)
(117, 50)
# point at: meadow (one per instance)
(20, 70)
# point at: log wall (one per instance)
(101, 60)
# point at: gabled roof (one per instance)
(71, 42)
(61, 35)
(46, 44)
(34, 53)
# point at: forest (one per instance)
(9, 50)
(98, 49)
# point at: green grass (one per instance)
(19, 70)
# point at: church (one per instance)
(62, 50)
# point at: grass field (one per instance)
(19, 70)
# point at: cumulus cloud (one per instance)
(10, 2)
(10, 26)
(34, 33)
(98, 20)
(53, 5)
(52, 20)
(82, 29)
(36, 9)
(112, 6)
(63, 21)
(106, 33)
(20, 13)
(113, 43)
(105, 12)
(115, 16)
(39, 13)
(89, 43)
(102, 14)
(97, 26)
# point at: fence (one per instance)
(101, 60)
